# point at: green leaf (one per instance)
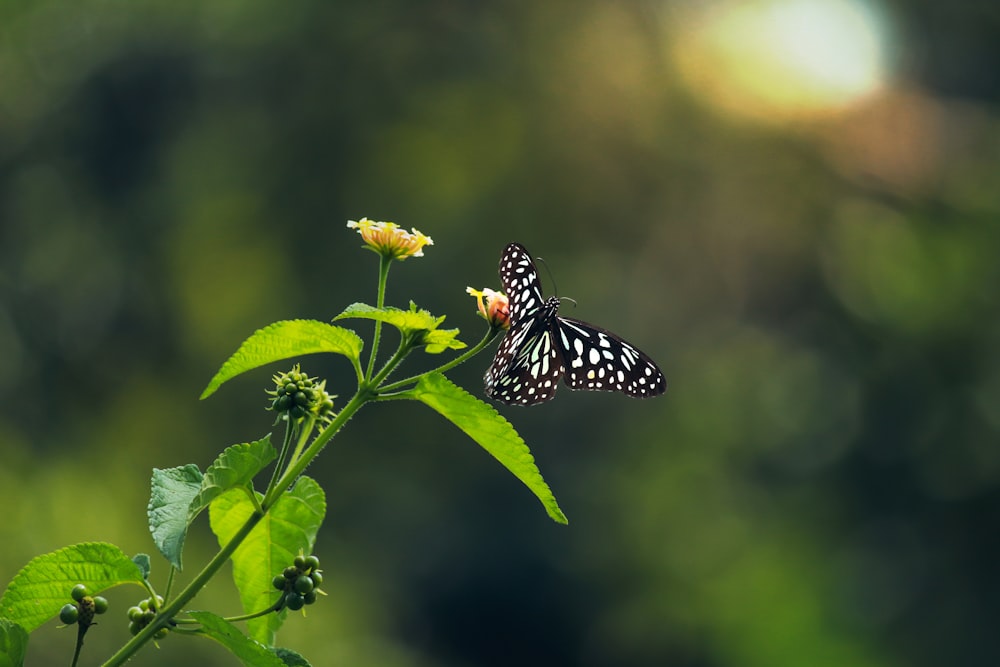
(284, 340)
(287, 530)
(142, 562)
(413, 319)
(43, 586)
(180, 494)
(14, 644)
(494, 433)
(235, 468)
(439, 340)
(417, 323)
(290, 657)
(250, 653)
(172, 491)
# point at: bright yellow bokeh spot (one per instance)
(782, 59)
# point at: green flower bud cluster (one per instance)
(143, 614)
(299, 583)
(84, 607)
(297, 395)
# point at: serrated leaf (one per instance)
(290, 657)
(235, 467)
(142, 562)
(14, 644)
(413, 319)
(439, 340)
(43, 586)
(171, 493)
(488, 428)
(284, 340)
(414, 322)
(249, 652)
(288, 529)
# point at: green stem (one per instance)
(170, 584)
(300, 462)
(303, 437)
(296, 469)
(404, 349)
(286, 443)
(263, 612)
(252, 496)
(471, 352)
(164, 616)
(383, 275)
(397, 395)
(233, 619)
(80, 632)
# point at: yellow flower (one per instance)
(389, 239)
(493, 306)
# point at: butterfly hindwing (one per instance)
(527, 366)
(599, 360)
(540, 347)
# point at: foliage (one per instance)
(265, 534)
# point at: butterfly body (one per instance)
(541, 347)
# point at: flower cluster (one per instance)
(297, 394)
(493, 306)
(389, 239)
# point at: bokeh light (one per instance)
(780, 59)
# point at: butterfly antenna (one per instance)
(541, 260)
(555, 288)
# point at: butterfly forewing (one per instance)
(520, 282)
(541, 347)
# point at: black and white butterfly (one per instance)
(540, 347)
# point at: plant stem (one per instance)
(233, 619)
(170, 584)
(404, 349)
(383, 275)
(295, 469)
(471, 352)
(286, 442)
(303, 437)
(80, 632)
(164, 616)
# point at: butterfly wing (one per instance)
(598, 360)
(520, 282)
(527, 365)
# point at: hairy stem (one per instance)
(303, 437)
(383, 276)
(296, 468)
(468, 354)
(285, 444)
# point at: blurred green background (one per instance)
(791, 205)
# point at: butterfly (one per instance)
(541, 347)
